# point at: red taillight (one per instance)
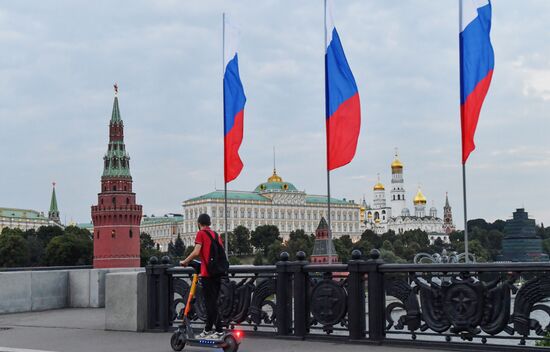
(238, 334)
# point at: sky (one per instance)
(59, 60)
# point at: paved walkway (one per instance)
(82, 330)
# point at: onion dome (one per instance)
(275, 183)
(419, 198)
(379, 186)
(396, 165)
(275, 177)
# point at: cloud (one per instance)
(59, 63)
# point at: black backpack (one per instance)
(217, 263)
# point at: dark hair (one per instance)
(204, 220)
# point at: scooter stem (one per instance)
(191, 294)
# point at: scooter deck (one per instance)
(207, 342)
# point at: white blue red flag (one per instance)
(233, 105)
(477, 61)
(343, 110)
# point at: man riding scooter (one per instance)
(209, 247)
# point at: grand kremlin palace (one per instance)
(274, 202)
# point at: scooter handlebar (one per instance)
(196, 265)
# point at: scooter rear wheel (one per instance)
(231, 344)
(177, 341)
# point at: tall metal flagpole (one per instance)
(224, 161)
(328, 170)
(465, 214)
(466, 252)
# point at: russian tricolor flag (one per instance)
(343, 110)
(477, 61)
(233, 106)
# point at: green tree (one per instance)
(188, 251)
(13, 248)
(147, 248)
(171, 249)
(390, 257)
(387, 246)
(46, 233)
(299, 241)
(239, 241)
(274, 251)
(69, 249)
(234, 261)
(344, 247)
(259, 259)
(179, 247)
(264, 236)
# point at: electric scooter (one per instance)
(184, 334)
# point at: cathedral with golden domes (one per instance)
(382, 215)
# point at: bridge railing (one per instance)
(460, 306)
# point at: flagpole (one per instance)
(466, 249)
(224, 161)
(328, 170)
(465, 214)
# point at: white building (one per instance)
(397, 217)
(163, 229)
(274, 202)
(26, 219)
(23, 219)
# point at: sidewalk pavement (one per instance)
(82, 330)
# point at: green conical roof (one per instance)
(53, 203)
(115, 116)
(116, 160)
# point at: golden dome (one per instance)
(379, 187)
(275, 177)
(396, 164)
(377, 221)
(419, 198)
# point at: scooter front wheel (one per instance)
(231, 344)
(177, 341)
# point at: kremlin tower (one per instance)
(398, 202)
(53, 214)
(448, 225)
(116, 217)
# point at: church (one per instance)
(382, 217)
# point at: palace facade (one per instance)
(274, 202)
(27, 219)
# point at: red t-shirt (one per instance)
(204, 240)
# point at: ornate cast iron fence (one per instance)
(453, 305)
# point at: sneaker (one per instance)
(217, 335)
(206, 334)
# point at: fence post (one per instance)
(377, 298)
(356, 296)
(159, 300)
(284, 296)
(300, 295)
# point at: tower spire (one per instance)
(53, 213)
(274, 162)
(115, 116)
(116, 160)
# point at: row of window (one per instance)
(219, 226)
(270, 213)
(113, 234)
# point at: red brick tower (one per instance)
(116, 216)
